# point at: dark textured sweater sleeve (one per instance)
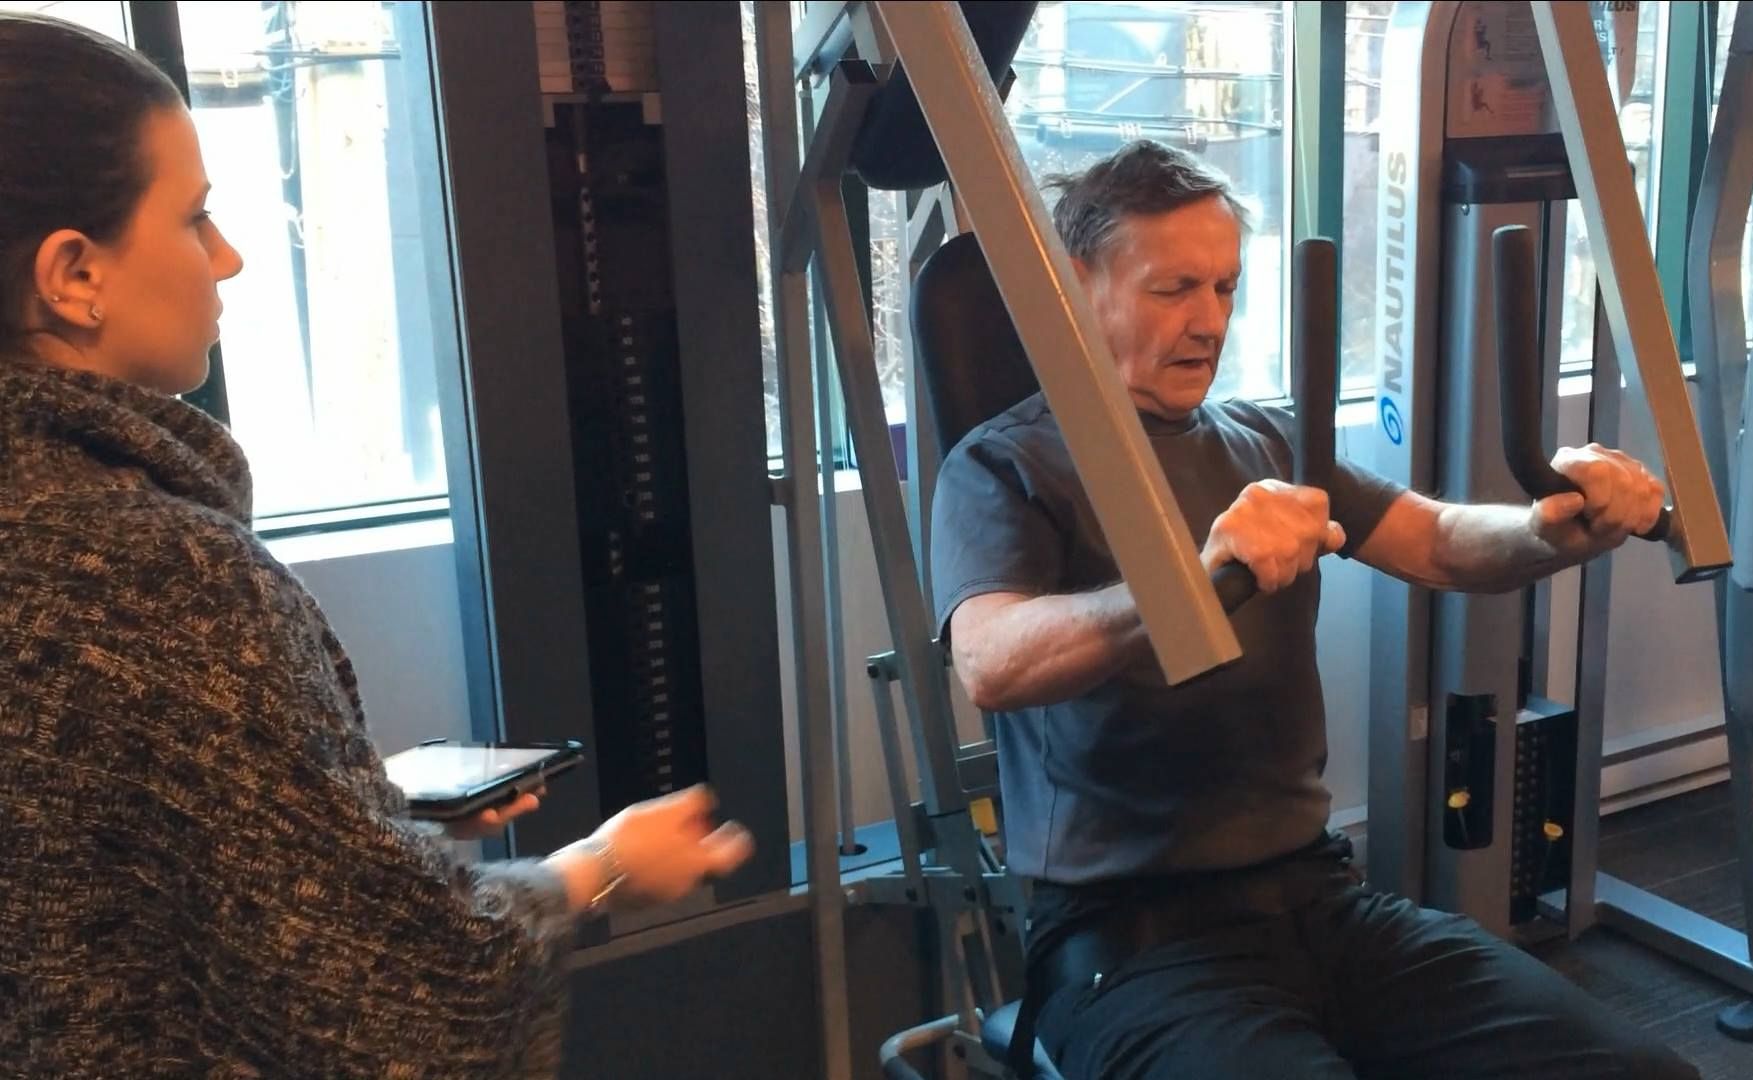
(386, 955)
(227, 788)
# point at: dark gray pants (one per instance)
(1354, 984)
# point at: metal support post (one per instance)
(804, 541)
(924, 687)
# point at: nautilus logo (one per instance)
(1391, 423)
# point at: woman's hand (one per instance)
(664, 848)
(493, 820)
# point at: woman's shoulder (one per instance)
(171, 548)
(161, 611)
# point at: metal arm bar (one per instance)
(1627, 272)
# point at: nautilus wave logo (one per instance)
(1391, 423)
(1396, 172)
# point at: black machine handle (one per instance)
(1514, 303)
(1314, 351)
(1235, 586)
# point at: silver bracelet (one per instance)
(613, 874)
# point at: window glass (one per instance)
(1366, 29)
(1206, 77)
(1366, 25)
(1092, 76)
(1633, 82)
(310, 115)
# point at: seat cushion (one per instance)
(995, 1032)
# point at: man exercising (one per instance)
(1191, 916)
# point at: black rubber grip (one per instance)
(1235, 586)
(1314, 351)
(1515, 308)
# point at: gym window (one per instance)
(309, 121)
(1090, 77)
(1209, 77)
(1366, 26)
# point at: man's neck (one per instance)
(1158, 417)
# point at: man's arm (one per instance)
(1485, 548)
(1014, 650)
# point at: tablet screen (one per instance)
(443, 771)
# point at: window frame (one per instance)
(1292, 16)
(155, 29)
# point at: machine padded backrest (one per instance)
(894, 150)
(964, 342)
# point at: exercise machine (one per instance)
(1484, 794)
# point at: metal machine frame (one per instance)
(1719, 349)
(1446, 650)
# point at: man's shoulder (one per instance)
(1269, 420)
(1026, 435)
(1028, 420)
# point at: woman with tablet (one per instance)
(204, 868)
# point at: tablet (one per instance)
(445, 781)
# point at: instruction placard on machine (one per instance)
(1497, 78)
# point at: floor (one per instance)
(1681, 848)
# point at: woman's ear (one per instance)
(66, 276)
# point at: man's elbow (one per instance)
(984, 648)
(986, 683)
(989, 696)
(985, 690)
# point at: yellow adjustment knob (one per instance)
(1459, 798)
(985, 818)
(1553, 830)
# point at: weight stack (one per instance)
(629, 456)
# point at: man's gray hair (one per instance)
(1141, 178)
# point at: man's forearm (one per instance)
(1049, 649)
(1489, 548)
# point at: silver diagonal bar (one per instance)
(917, 660)
(803, 532)
(1626, 269)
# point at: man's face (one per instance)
(1163, 292)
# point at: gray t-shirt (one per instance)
(1135, 777)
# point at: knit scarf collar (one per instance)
(65, 431)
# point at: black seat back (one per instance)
(965, 345)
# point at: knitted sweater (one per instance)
(203, 869)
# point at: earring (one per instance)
(96, 313)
